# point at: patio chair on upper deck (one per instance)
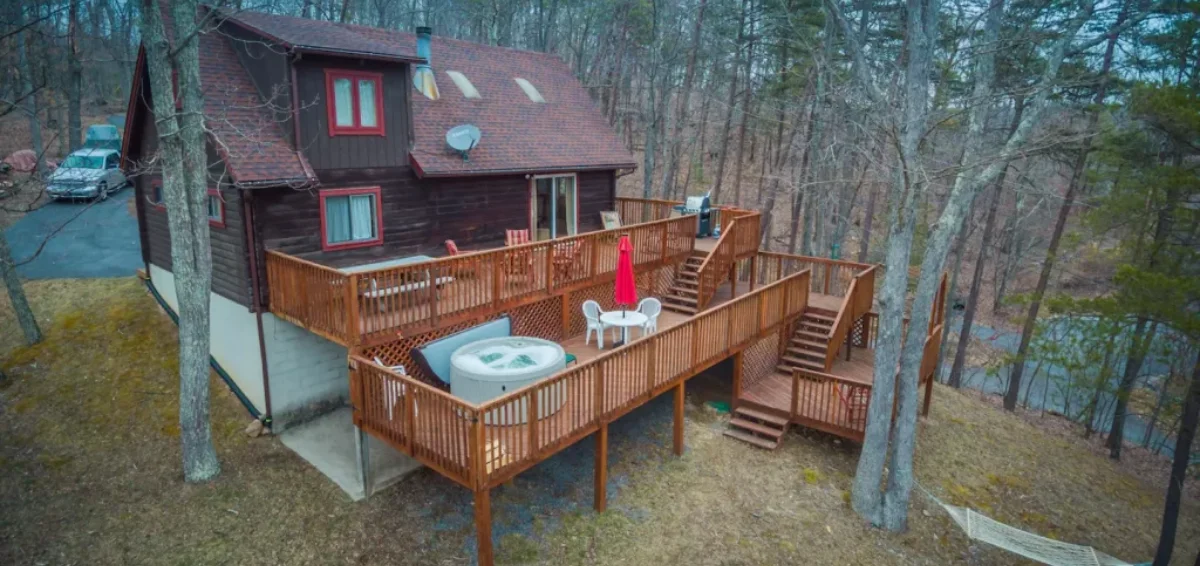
(517, 262)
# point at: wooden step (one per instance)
(756, 427)
(818, 317)
(814, 344)
(801, 362)
(815, 357)
(810, 335)
(752, 439)
(755, 414)
(680, 298)
(677, 290)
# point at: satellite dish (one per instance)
(463, 139)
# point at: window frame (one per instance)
(156, 194)
(217, 222)
(324, 194)
(356, 112)
(533, 179)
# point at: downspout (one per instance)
(256, 302)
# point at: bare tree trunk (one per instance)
(747, 95)
(864, 245)
(184, 162)
(1179, 467)
(672, 169)
(985, 243)
(29, 92)
(74, 80)
(731, 108)
(868, 499)
(1077, 175)
(16, 294)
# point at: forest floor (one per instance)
(89, 473)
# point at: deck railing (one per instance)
(830, 403)
(737, 241)
(368, 306)
(830, 276)
(484, 445)
(633, 210)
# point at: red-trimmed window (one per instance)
(354, 101)
(216, 209)
(351, 218)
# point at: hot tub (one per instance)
(483, 370)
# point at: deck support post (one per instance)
(362, 449)
(678, 436)
(928, 397)
(601, 488)
(483, 527)
(753, 270)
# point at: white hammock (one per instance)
(1031, 546)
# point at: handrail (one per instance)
(829, 402)
(841, 326)
(738, 240)
(645, 209)
(428, 423)
(368, 306)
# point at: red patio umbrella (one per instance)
(625, 292)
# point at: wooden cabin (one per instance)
(293, 307)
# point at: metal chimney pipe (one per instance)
(423, 78)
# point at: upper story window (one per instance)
(350, 218)
(216, 209)
(354, 101)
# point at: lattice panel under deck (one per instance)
(542, 319)
(858, 332)
(759, 360)
(399, 352)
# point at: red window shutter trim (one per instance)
(331, 107)
(325, 245)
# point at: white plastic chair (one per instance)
(393, 391)
(591, 314)
(650, 307)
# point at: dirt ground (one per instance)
(89, 474)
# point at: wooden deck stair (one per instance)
(809, 342)
(757, 428)
(683, 296)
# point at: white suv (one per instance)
(87, 173)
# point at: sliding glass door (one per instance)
(555, 211)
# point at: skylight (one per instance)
(530, 90)
(463, 84)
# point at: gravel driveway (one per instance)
(101, 242)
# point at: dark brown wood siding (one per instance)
(597, 193)
(419, 215)
(267, 66)
(230, 260)
(346, 152)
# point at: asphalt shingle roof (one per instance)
(567, 132)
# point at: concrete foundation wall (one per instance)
(308, 373)
(233, 337)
